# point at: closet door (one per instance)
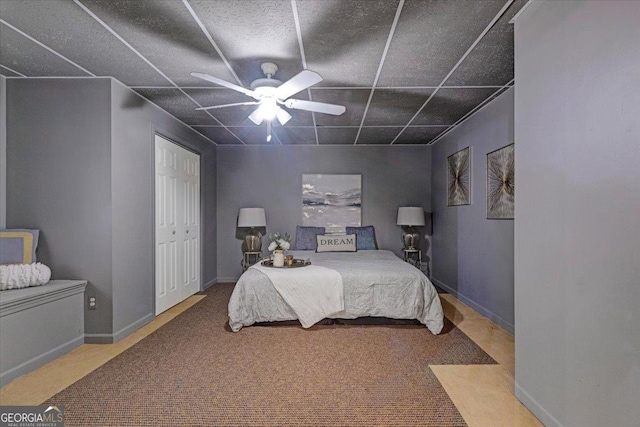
(190, 223)
(177, 219)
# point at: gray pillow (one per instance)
(306, 237)
(365, 237)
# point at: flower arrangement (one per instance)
(279, 242)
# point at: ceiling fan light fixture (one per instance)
(283, 116)
(269, 92)
(268, 109)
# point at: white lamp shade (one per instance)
(252, 217)
(410, 216)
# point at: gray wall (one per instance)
(577, 231)
(59, 179)
(80, 169)
(271, 177)
(3, 151)
(134, 124)
(473, 256)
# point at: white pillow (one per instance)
(336, 243)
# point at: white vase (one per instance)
(278, 258)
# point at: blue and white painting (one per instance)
(332, 201)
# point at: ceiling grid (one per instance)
(407, 71)
(384, 55)
(467, 52)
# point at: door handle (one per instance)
(173, 232)
(187, 231)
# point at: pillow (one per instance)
(18, 246)
(366, 237)
(306, 237)
(336, 243)
(17, 276)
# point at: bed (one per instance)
(376, 283)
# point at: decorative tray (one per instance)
(296, 263)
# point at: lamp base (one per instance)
(411, 238)
(253, 241)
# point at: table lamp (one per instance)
(410, 217)
(252, 218)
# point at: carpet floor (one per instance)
(194, 371)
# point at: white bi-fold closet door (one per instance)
(177, 219)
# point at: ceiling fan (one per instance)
(270, 94)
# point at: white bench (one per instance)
(39, 324)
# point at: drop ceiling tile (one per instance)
(378, 135)
(18, 53)
(253, 135)
(166, 34)
(390, 107)
(249, 33)
(70, 31)
(449, 105)
(257, 135)
(337, 136)
(219, 135)
(344, 40)
(295, 135)
(430, 38)
(491, 61)
(354, 99)
(419, 135)
(177, 104)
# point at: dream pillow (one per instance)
(18, 246)
(366, 237)
(306, 237)
(336, 243)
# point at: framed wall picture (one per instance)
(501, 183)
(459, 178)
(332, 201)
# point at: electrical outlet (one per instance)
(92, 302)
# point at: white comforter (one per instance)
(376, 283)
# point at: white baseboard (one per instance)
(477, 307)
(536, 409)
(227, 279)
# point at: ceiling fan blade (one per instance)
(317, 107)
(256, 117)
(226, 84)
(301, 81)
(283, 116)
(213, 107)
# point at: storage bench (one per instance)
(39, 324)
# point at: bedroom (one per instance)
(546, 216)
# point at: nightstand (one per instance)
(250, 258)
(413, 257)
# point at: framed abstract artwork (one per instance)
(459, 178)
(332, 201)
(501, 183)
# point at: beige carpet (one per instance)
(194, 371)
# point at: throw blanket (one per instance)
(15, 276)
(312, 292)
